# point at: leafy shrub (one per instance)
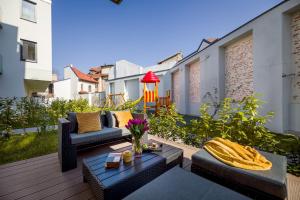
(238, 121)
(7, 115)
(28, 112)
(198, 131)
(167, 123)
(128, 105)
(241, 121)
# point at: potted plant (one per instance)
(137, 128)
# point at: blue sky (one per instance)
(95, 32)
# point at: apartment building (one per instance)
(25, 47)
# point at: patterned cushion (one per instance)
(88, 122)
(123, 117)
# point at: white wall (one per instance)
(15, 29)
(269, 64)
(120, 86)
(132, 88)
(86, 86)
(62, 89)
(69, 74)
(124, 68)
(125, 71)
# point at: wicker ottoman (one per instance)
(270, 184)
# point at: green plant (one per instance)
(240, 121)
(237, 120)
(198, 131)
(57, 109)
(167, 123)
(289, 145)
(22, 117)
(7, 115)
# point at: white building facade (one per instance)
(74, 85)
(261, 56)
(125, 77)
(25, 47)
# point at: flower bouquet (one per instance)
(137, 128)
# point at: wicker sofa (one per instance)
(70, 141)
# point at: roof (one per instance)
(98, 68)
(170, 57)
(208, 42)
(97, 75)
(82, 76)
(135, 75)
(198, 50)
(150, 77)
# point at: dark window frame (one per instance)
(35, 15)
(21, 54)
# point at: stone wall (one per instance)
(194, 82)
(176, 87)
(295, 30)
(239, 68)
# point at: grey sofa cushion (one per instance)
(111, 119)
(104, 134)
(272, 181)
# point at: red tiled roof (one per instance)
(82, 76)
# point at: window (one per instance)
(28, 10)
(81, 87)
(50, 88)
(96, 87)
(28, 51)
(90, 88)
(112, 88)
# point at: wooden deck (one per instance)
(40, 177)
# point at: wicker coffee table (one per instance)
(118, 183)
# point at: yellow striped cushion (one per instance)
(123, 117)
(88, 122)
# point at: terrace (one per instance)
(41, 177)
(215, 127)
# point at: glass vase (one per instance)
(137, 147)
